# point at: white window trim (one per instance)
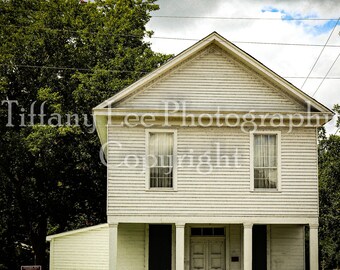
(278, 187)
(147, 167)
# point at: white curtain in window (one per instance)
(161, 159)
(265, 160)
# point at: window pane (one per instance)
(265, 178)
(265, 161)
(196, 231)
(218, 231)
(160, 177)
(161, 159)
(208, 231)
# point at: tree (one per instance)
(65, 57)
(329, 188)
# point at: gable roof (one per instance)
(211, 80)
(221, 42)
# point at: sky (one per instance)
(285, 60)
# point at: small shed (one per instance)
(86, 248)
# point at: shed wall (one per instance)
(83, 250)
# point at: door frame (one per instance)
(188, 238)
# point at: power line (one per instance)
(255, 42)
(317, 59)
(315, 77)
(33, 27)
(72, 68)
(144, 72)
(285, 44)
(173, 38)
(317, 89)
(242, 18)
(337, 131)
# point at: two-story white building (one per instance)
(211, 164)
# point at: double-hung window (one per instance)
(266, 160)
(160, 158)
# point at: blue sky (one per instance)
(309, 27)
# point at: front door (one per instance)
(207, 253)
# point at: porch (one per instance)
(180, 246)
(190, 246)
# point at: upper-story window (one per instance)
(266, 160)
(161, 152)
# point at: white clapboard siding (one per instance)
(210, 80)
(223, 192)
(287, 247)
(235, 241)
(131, 247)
(88, 249)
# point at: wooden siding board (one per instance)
(235, 245)
(287, 247)
(226, 191)
(231, 86)
(131, 247)
(90, 249)
(84, 250)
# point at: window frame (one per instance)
(252, 180)
(147, 167)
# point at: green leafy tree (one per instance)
(329, 188)
(65, 57)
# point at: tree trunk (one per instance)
(38, 239)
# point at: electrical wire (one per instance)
(315, 77)
(337, 131)
(317, 89)
(192, 39)
(317, 59)
(143, 72)
(72, 68)
(242, 18)
(172, 38)
(255, 42)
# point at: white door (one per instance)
(207, 253)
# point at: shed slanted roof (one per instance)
(86, 229)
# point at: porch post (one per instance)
(180, 246)
(113, 244)
(313, 247)
(247, 246)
